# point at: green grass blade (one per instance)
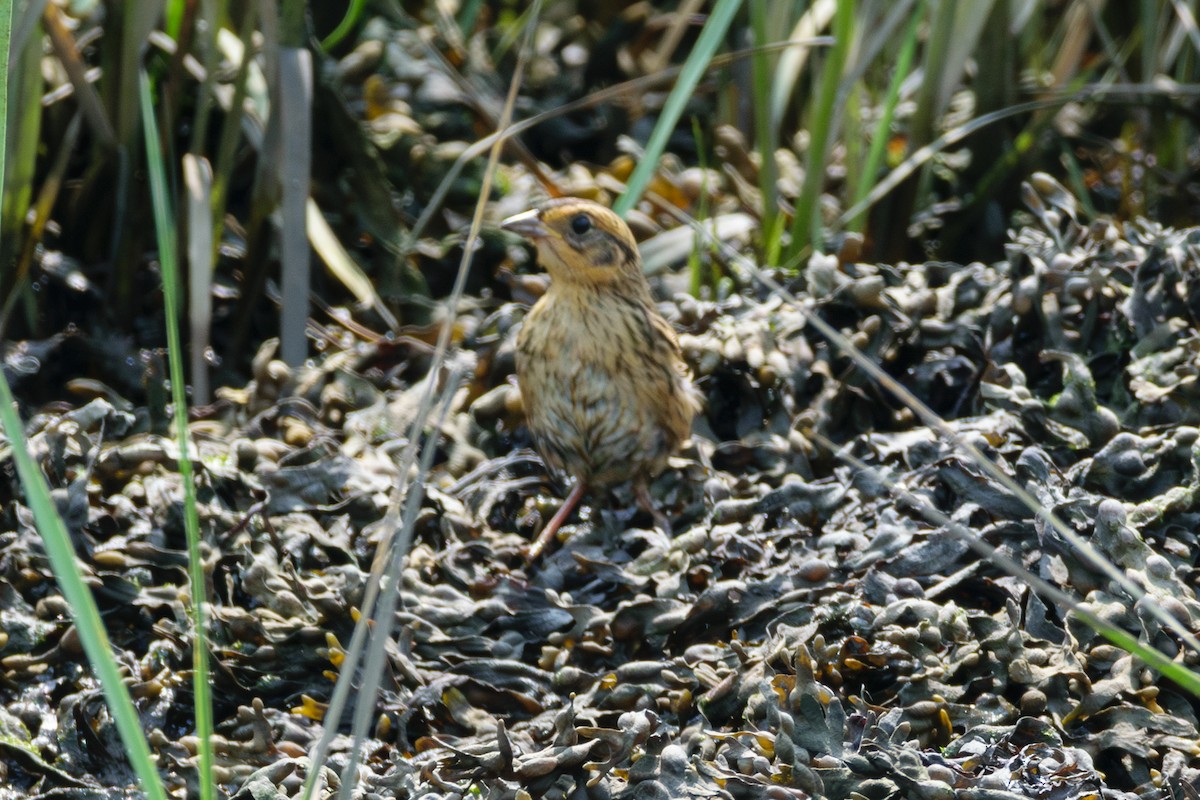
(693, 69)
(883, 130)
(935, 56)
(806, 224)
(1149, 18)
(766, 135)
(6, 14)
(468, 15)
(23, 118)
(173, 18)
(346, 26)
(164, 225)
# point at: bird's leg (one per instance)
(642, 493)
(556, 521)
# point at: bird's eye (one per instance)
(581, 224)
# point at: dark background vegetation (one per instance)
(399, 93)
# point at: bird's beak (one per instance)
(528, 224)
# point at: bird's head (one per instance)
(581, 243)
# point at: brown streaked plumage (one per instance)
(606, 392)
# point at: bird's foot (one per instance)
(661, 520)
(547, 535)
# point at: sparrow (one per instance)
(607, 394)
